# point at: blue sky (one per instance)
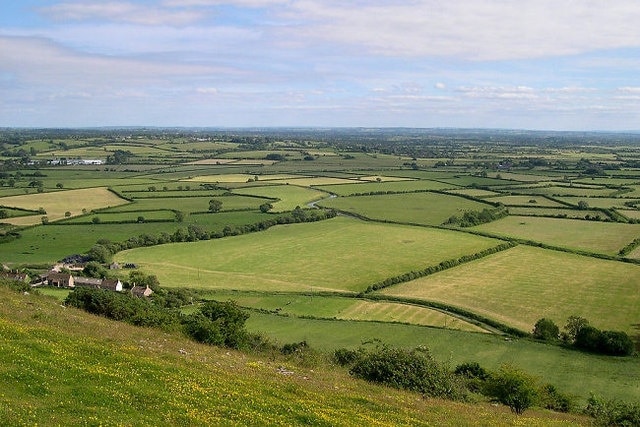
(535, 64)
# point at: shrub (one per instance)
(414, 370)
(546, 330)
(613, 412)
(514, 388)
(551, 398)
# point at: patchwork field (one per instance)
(600, 237)
(523, 284)
(388, 186)
(416, 208)
(288, 196)
(56, 204)
(332, 307)
(341, 254)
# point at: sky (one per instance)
(515, 64)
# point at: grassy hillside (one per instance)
(60, 366)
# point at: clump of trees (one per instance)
(471, 218)
(580, 334)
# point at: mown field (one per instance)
(341, 254)
(285, 197)
(592, 236)
(523, 284)
(335, 307)
(415, 208)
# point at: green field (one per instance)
(523, 284)
(58, 203)
(340, 254)
(288, 196)
(599, 237)
(388, 186)
(415, 208)
(612, 377)
(332, 307)
(190, 204)
(526, 201)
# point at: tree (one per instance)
(3, 214)
(179, 216)
(573, 326)
(215, 205)
(266, 207)
(545, 329)
(218, 323)
(59, 185)
(514, 388)
(100, 254)
(582, 205)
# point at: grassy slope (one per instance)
(570, 371)
(60, 366)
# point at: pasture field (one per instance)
(523, 284)
(415, 208)
(341, 308)
(567, 191)
(630, 213)
(555, 212)
(600, 202)
(594, 236)
(287, 196)
(526, 201)
(242, 178)
(372, 187)
(470, 181)
(53, 242)
(522, 177)
(56, 204)
(172, 191)
(474, 192)
(133, 216)
(612, 377)
(189, 204)
(340, 254)
(382, 178)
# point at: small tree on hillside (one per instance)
(514, 388)
(545, 329)
(215, 205)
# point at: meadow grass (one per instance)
(567, 191)
(570, 371)
(523, 284)
(600, 202)
(594, 236)
(61, 366)
(345, 309)
(416, 208)
(50, 243)
(385, 186)
(525, 201)
(190, 204)
(56, 204)
(339, 254)
(555, 212)
(289, 196)
(165, 215)
(474, 192)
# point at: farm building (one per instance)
(60, 280)
(139, 291)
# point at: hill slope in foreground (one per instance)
(61, 366)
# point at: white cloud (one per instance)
(499, 92)
(121, 12)
(471, 29)
(440, 86)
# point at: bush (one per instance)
(551, 398)
(218, 323)
(514, 388)
(414, 370)
(614, 343)
(546, 330)
(613, 412)
(474, 375)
